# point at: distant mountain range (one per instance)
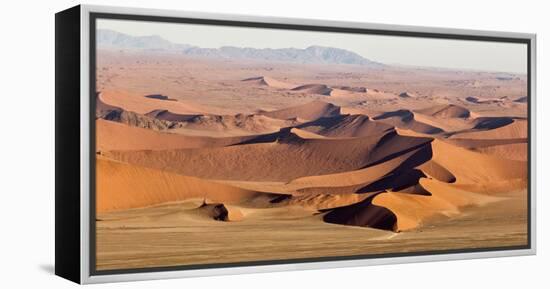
(313, 54)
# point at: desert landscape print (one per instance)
(218, 145)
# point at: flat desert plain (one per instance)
(211, 160)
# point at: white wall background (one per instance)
(27, 143)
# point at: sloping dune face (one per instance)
(514, 129)
(248, 162)
(314, 89)
(268, 81)
(309, 111)
(447, 111)
(488, 169)
(252, 124)
(124, 186)
(346, 126)
(117, 136)
(406, 119)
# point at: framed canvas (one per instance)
(193, 144)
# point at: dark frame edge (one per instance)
(67, 144)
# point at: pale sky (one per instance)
(415, 51)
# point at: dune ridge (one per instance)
(268, 81)
(309, 111)
(123, 186)
(447, 111)
(406, 119)
(120, 137)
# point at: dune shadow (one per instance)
(363, 214)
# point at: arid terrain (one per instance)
(204, 160)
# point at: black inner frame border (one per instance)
(93, 16)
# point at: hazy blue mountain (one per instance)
(110, 38)
(312, 54)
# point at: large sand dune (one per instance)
(405, 119)
(124, 186)
(514, 130)
(268, 81)
(447, 111)
(412, 210)
(116, 136)
(309, 111)
(346, 126)
(289, 157)
(483, 169)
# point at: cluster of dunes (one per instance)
(209, 160)
(308, 88)
(121, 137)
(501, 101)
(394, 170)
(191, 122)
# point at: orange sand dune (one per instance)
(124, 186)
(512, 149)
(515, 130)
(321, 89)
(288, 158)
(446, 124)
(238, 124)
(482, 143)
(141, 104)
(269, 81)
(348, 182)
(116, 136)
(473, 167)
(305, 134)
(363, 176)
(517, 151)
(446, 111)
(364, 110)
(413, 210)
(405, 119)
(309, 111)
(438, 172)
(346, 126)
